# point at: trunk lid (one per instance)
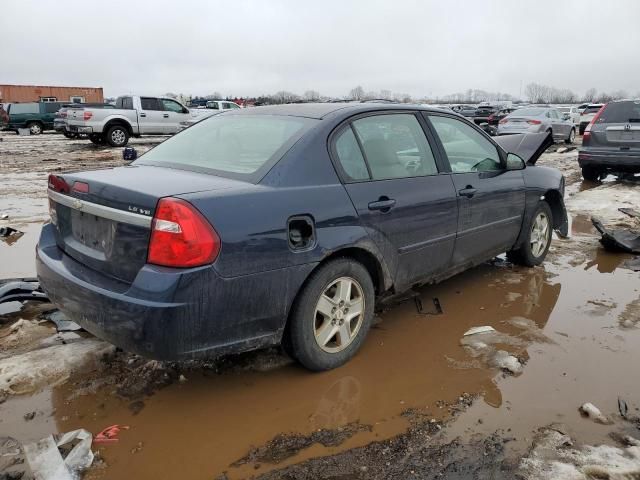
(108, 227)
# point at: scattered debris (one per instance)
(63, 324)
(631, 212)
(618, 240)
(477, 330)
(29, 416)
(589, 410)
(437, 308)
(47, 462)
(504, 361)
(20, 289)
(622, 407)
(110, 434)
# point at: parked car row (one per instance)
(536, 120)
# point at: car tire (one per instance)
(35, 128)
(581, 129)
(117, 136)
(572, 137)
(322, 333)
(534, 248)
(591, 173)
(96, 139)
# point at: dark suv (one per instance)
(611, 142)
(36, 116)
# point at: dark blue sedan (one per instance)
(284, 224)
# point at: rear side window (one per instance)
(237, 145)
(620, 112)
(467, 149)
(149, 103)
(589, 110)
(350, 156)
(21, 108)
(395, 146)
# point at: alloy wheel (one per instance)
(118, 137)
(539, 234)
(35, 129)
(339, 314)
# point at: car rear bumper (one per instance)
(79, 129)
(170, 314)
(613, 160)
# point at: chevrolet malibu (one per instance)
(285, 224)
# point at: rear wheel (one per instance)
(539, 230)
(96, 139)
(332, 315)
(572, 136)
(117, 136)
(591, 173)
(35, 128)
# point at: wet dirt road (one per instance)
(570, 324)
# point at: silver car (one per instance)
(538, 120)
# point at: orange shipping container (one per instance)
(37, 93)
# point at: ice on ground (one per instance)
(504, 361)
(604, 201)
(554, 457)
(28, 372)
(20, 335)
(589, 410)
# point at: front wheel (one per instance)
(572, 136)
(539, 230)
(332, 315)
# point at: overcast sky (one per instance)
(243, 48)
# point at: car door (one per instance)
(151, 116)
(408, 208)
(559, 126)
(491, 200)
(174, 113)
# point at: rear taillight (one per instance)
(503, 121)
(181, 236)
(58, 184)
(87, 115)
(587, 131)
(534, 122)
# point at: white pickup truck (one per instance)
(133, 116)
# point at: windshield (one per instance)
(620, 112)
(529, 112)
(592, 109)
(236, 145)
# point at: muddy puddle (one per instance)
(570, 343)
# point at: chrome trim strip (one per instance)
(101, 210)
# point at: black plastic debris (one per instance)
(622, 407)
(618, 240)
(436, 310)
(21, 289)
(7, 231)
(63, 324)
(630, 211)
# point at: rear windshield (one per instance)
(620, 112)
(236, 146)
(529, 112)
(593, 109)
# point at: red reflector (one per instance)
(87, 115)
(534, 122)
(81, 187)
(58, 184)
(181, 236)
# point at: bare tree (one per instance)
(285, 97)
(590, 95)
(311, 96)
(386, 94)
(357, 93)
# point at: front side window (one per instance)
(150, 103)
(395, 146)
(239, 145)
(350, 156)
(171, 105)
(213, 105)
(467, 149)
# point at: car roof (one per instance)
(322, 110)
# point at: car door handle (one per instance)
(468, 191)
(166, 115)
(384, 204)
(143, 114)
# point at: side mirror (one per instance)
(514, 162)
(129, 154)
